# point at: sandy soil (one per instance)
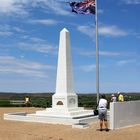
(13, 130)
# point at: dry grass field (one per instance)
(13, 130)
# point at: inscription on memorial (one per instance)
(59, 103)
(72, 101)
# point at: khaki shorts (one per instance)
(103, 114)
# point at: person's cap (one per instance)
(112, 95)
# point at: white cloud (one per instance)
(33, 44)
(20, 7)
(36, 39)
(86, 53)
(132, 1)
(88, 68)
(5, 30)
(125, 62)
(106, 53)
(112, 31)
(101, 53)
(100, 11)
(5, 33)
(8, 30)
(13, 7)
(87, 30)
(44, 21)
(10, 64)
(57, 6)
(38, 46)
(17, 29)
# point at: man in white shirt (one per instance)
(103, 112)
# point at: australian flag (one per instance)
(84, 7)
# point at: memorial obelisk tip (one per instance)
(64, 30)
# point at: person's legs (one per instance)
(101, 119)
(106, 125)
(101, 125)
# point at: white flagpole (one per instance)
(97, 50)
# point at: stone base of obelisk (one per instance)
(65, 113)
(51, 116)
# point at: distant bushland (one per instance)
(44, 100)
(5, 103)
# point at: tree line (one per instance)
(44, 100)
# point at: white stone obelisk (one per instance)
(65, 97)
(65, 100)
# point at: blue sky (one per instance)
(29, 40)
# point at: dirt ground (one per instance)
(13, 130)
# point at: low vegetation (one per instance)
(44, 100)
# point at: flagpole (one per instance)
(97, 50)
(78, 8)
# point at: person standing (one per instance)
(120, 97)
(113, 98)
(102, 107)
